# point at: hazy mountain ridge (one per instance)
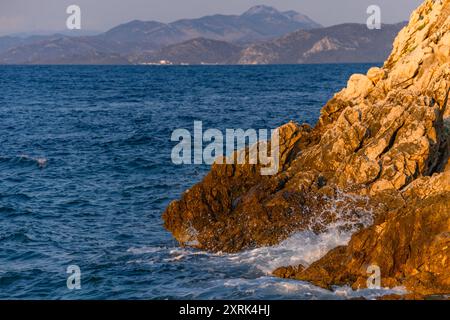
(258, 23)
(338, 44)
(195, 51)
(62, 50)
(261, 35)
(135, 37)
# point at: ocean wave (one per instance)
(20, 236)
(7, 210)
(369, 294)
(303, 290)
(303, 248)
(144, 250)
(309, 246)
(41, 162)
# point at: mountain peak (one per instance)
(260, 9)
(292, 16)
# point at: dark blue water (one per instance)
(85, 173)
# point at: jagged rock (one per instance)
(288, 272)
(384, 142)
(358, 87)
(411, 245)
(230, 191)
(376, 74)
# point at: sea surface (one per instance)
(86, 172)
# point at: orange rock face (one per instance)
(384, 142)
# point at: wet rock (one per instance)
(411, 245)
(288, 272)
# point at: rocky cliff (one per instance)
(383, 142)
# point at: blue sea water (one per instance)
(85, 174)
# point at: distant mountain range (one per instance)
(261, 35)
(343, 43)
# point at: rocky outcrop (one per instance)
(410, 245)
(383, 142)
(224, 212)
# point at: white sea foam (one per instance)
(292, 289)
(348, 293)
(144, 250)
(350, 213)
(40, 161)
(307, 246)
(301, 248)
(276, 287)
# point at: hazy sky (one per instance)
(50, 15)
